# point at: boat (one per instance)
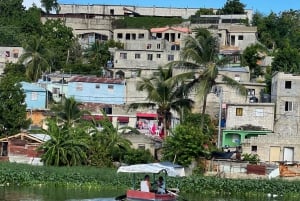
(165, 168)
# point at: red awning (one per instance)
(95, 117)
(123, 119)
(146, 115)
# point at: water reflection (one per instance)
(51, 193)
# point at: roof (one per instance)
(91, 79)
(26, 86)
(234, 69)
(171, 169)
(37, 137)
(164, 29)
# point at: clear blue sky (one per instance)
(263, 6)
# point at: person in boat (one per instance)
(145, 184)
(161, 187)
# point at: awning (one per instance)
(95, 117)
(146, 115)
(123, 119)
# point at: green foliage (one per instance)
(205, 11)
(287, 60)
(137, 156)
(251, 158)
(186, 144)
(250, 57)
(146, 22)
(50, 5)
(232, 7)
(66, 147)
(278, 30)
(12, 107)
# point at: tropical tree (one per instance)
(233, 7)
(34, 58)
(12, 107)
(200, 54)
(167, 92)
(251, 55)
(105, 142)
(187, 144)
(67, 146)
(97, 55)
(50, 5)
(69, 112)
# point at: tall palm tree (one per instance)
(200, 53)
(165, 91)
(34, 58)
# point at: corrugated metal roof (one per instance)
(41, 137)
(90, 79)
(233, 69)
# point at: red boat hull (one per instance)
(139, 195)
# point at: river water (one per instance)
(64, 194)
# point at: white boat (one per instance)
(166, 168)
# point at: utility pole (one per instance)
(220, 117)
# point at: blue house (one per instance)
(35, 96)
(97, 90)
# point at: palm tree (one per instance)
(98, 54)
(167, 92)
(200, 53)
(34, 58)
(66, 146)
(69, 112)
(105, 142)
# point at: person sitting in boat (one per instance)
(161, 187)
(145, 184)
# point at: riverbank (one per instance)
(107, 178)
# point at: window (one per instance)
(7, 53)
(34, 95)
(127, 36)
(239, 112)
(15, 55)
(259, 112)
(159, 35)
(240, 37)
(158, 56)
(170, 57)
(79, 87)
(178, 36)
(254, 148)
(175, 47)
(288, 84)
(141, 36)
(137, 56)
(123, 55)
(110, 86)
(149, 57)
(112, 11)
(133, 36)
(288, 106)
(251, 92)
(97, 86)
(141, 146)
(119, 35)
(158, 46)
(148, 46)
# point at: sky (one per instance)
(263, 6)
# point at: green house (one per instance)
(233, 138)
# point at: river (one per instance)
(64, 194)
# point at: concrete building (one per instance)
(283, 144)
(9, 55)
